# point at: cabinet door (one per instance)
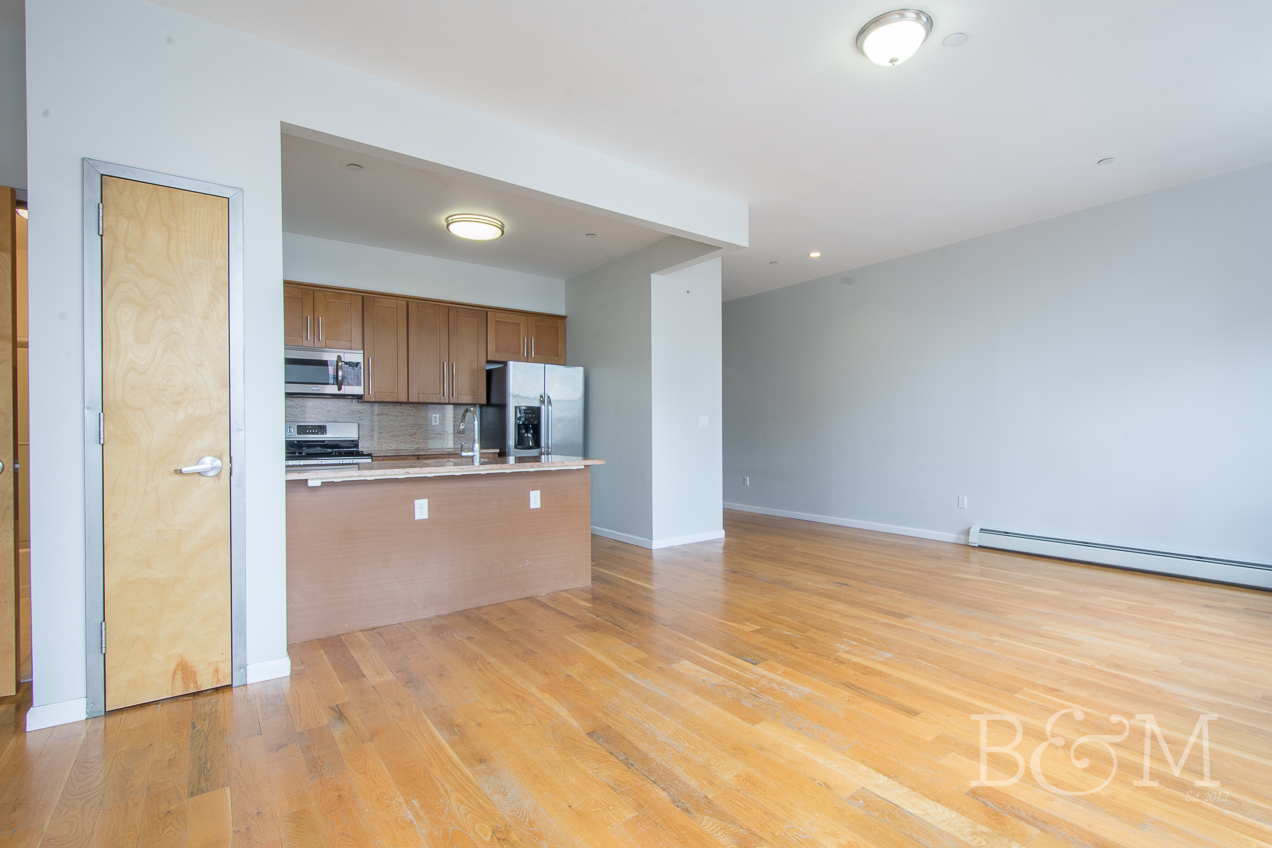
(507, 339)
(298, 316)
(384, 343)
(547, 340)
(338, 319)
(427, 328)
(467, 355)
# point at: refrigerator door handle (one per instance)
(549, 426)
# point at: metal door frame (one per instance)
(94, 523)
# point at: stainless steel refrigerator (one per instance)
(534, 409)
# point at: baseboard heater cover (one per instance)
(1254, 574)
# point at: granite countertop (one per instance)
(425, 452)
(452, 467)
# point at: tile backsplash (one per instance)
(383, 426)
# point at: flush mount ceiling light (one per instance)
(892, 38)
(475, 227)
(814, 254)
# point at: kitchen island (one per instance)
(358, 556)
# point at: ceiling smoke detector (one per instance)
(475, 227)
(892, 38)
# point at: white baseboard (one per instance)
(958, 538)
(63, 712)
(657, 544)
(673, 541)
(269, 670)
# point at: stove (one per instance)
(316, 443)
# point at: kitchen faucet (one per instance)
(463, 416)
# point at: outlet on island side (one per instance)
(534, 498)
(421, 508)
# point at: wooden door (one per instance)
(547, 340)
(165, 398)
(427, 346)
(298, 316)
(9, 639)
(467, 355)
(507, 337)
(338, 316)
(384, 346)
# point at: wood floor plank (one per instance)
(792, 685)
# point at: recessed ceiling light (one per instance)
(814, 254)
(892, 38)
(1106, 161)
(475, 227)
(354, 166)
(954, 39)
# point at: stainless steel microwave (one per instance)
(323, 371)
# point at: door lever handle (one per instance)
(209, 466)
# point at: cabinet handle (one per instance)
(452, 379)
(306, 328)
(443, 379)
(523, 347)
(369, 391)
(531, 346)
(319, 328)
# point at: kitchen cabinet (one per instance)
(521, 337)
(507, 336)
(384, 338)
(321, 318)
(547, 340)
(338, 319)
(447, 353)
(298, 316)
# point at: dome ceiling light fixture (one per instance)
(475, 227)
(893, 37)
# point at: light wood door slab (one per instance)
(506, 336)
(165, 394)
(298, 316)
(9, 639)
(547, 340)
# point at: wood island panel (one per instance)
(357, 558)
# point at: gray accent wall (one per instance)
(1103, 376)
(13, 109)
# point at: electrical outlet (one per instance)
(534, 498)
(746, 481)
(436, 419)
(962, 501)
(703, 421)
(421, 508)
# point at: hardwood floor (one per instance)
(796, 684)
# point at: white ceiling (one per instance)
(397, 204)
(770, 103)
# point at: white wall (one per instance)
(686, 365)
(336, 263)
(650, 342)
(1102, 376)
(129, 82)
(12, 109)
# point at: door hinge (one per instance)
(101, 428)
(103, 637)
(100, 217)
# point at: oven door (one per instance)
(316, 370)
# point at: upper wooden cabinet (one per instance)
(298, 316)
(547, 339)
(520, 337)
(385, 348)
(321, 318)
(446, 346)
